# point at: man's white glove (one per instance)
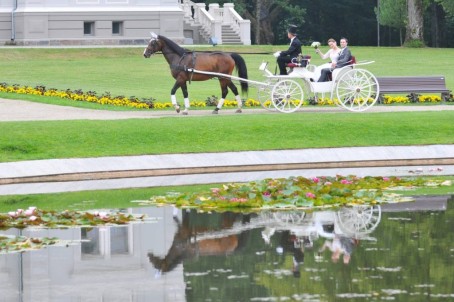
(277, 54)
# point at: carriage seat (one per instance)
(303, 62)
(352, 61)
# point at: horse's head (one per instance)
(153, 46)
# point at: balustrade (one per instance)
(211, 20)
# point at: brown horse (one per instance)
(182, 62)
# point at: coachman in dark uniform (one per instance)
(292, 52)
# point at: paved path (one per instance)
(62, 175)
(15, 110)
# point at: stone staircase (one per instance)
(222, 23)
(229, 36)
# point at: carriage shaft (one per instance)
(223, 75)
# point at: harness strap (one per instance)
(193, 66)
(185, 68)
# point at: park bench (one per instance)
(413, 85)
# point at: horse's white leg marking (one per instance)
(186, 103)
(221, 102)
(173, 98)
(239, 101)
(186, 106)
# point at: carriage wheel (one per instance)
(359, 220)
(287, 96)
(264, 96)
(357, 90)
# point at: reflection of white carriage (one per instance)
(351, 87)
(356, 222)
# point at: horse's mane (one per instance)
(174, 46)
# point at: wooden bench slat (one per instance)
(413, 84)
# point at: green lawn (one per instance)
(66, 139)
(124, 71)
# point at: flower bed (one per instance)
(134, 102)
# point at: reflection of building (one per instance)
(117, 22)
(107, 267)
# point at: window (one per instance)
(89, 28)
(117, 28)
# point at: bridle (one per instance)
(152, 47)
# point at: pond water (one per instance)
(395, 252)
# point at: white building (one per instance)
(117, 22)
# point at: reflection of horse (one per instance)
(183, 62)
(185, 244)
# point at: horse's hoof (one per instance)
(215, 112)
(185, 113)
(238, 111)
(177, 109)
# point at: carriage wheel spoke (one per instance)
(287, 96)
(356, 90)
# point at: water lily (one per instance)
(295, 192)
(346, 182)
(310, 195)
(29, 212)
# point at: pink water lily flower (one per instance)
(12, 214)
(346, 182)
(315, 179)
(32, 218)
(310, 195)
(29, 212)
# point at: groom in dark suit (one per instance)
(293, 51)
(345, 58)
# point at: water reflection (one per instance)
(401, 252)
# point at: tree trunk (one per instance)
(434, 24)
(258, 10)
(415, 24)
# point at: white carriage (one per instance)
(351, 87)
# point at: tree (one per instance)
(267, 19)
(415, 23)
(448, 6)
(393, 13)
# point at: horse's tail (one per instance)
(242, 70)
